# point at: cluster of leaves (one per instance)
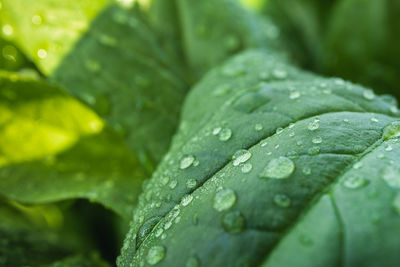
(249, 158)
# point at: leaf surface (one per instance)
(258, 165)
(119, 69)
(52, 147)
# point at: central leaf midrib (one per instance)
(250, 146)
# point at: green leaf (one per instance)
(270, 161)
(119, 69)
(26, 241)
(46, 30)
(52, 148)
(211, 31)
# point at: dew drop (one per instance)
(355, 182)
(312, 151)
(264, 143)
(186, 200)
(224, 199)
(191, 183)
(279, 73)
(225, 134)
(155, 254)
(317, 140)
(389, 148)
(394, 109)
(42, 53)
(307, 170)
(279, 168)
(7, 29)
(279, 130)
(246, 168)
(313, 125)
(368, 94)
(294, 95)
(241, 156)
(173, 184)
(233, 222)
(391, 130)
(357, 165)
(186, 162)
(37, 20)
(373, 119)
(282, 200)
(216, 130)
(258, 127)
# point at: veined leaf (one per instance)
(119, 70)
(46, 30)
(52, 148)
(270, 161)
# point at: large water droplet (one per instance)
(186, 200)
(279, 168)
(225, 134)
(241, 156)
(355, 182)
(391, 130)
(368, 94)
(314, 124)
(282, 200)
(247, 167)
(155, 254)
(224, 199)
(233, 222)
(186, 162)
(145, 229)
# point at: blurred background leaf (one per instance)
(52, 148)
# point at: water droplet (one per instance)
(294, 95)
(241, 156)
(307, 170)
(258, 127)
(224, 199)
(196, 163)
(186, 162)
(42, 53)
(8, 30)
(317, 140)
(355, 182)
(246, 168)
(279, 130)
(391, 176)
(159, 232)
(92, 65)
(225, 134)
(396, 203)
(164, 180)
(391, 130)
(373, 119)
(313, 125)
(186, 200)
(389, 148)
(146, 228)
(233, 222)
(222, 90)
(191, 183)
(264, 143)
(155, 254)
(312, 151)
(193, 262)
(279, 74)
(216, 130)
(291, 134)
(368, 94)
(279, 168)
(173, 184)
(282, 200)
(394, 109)
(37, 19)
(357, 165)
(107, 40)
(292, 155)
